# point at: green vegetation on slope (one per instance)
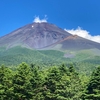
(84, 61)
(17, 55)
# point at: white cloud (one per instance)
(38, 20)
(84, 33)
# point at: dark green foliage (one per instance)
(6, 88)
(51, 84)
(21, 83)
(37, 83)
(93, 88)
(55, 83)
(62, 84)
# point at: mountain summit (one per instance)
(44, 35)
(35, 35)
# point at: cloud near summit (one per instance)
(38, 20)
(84, 33)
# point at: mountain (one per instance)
(47, 44)
(42, 35)
(35, 36)
(75, 42)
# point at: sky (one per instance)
(79, 17)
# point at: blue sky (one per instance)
(67, 14)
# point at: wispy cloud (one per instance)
(84, 33)
(38, 20)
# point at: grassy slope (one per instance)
(85, 61)
(17, 55)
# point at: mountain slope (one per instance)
(75, 42)
(43, 35)
(16, 55)
(35, 35)
(46, 43)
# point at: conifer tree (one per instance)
(37, 83)
(75, 87)
(70, 84)
(93, 88)
(22, 84)
(51, 84)
(6, 88)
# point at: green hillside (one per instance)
(17, 55)
(82, 60)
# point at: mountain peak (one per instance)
(34, 35)
(42, 35)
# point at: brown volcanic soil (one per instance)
(75, 42)
(35, 35)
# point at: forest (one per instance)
(31, 82)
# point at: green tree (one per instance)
(37, 81)
(22, 84)
(51, 84)
(62, 83)
(6, 88)
(71, 86)
(93, 88)
(75, 87)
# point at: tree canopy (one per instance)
(30, 82)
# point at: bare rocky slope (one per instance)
(35, 35)
(44, 35)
